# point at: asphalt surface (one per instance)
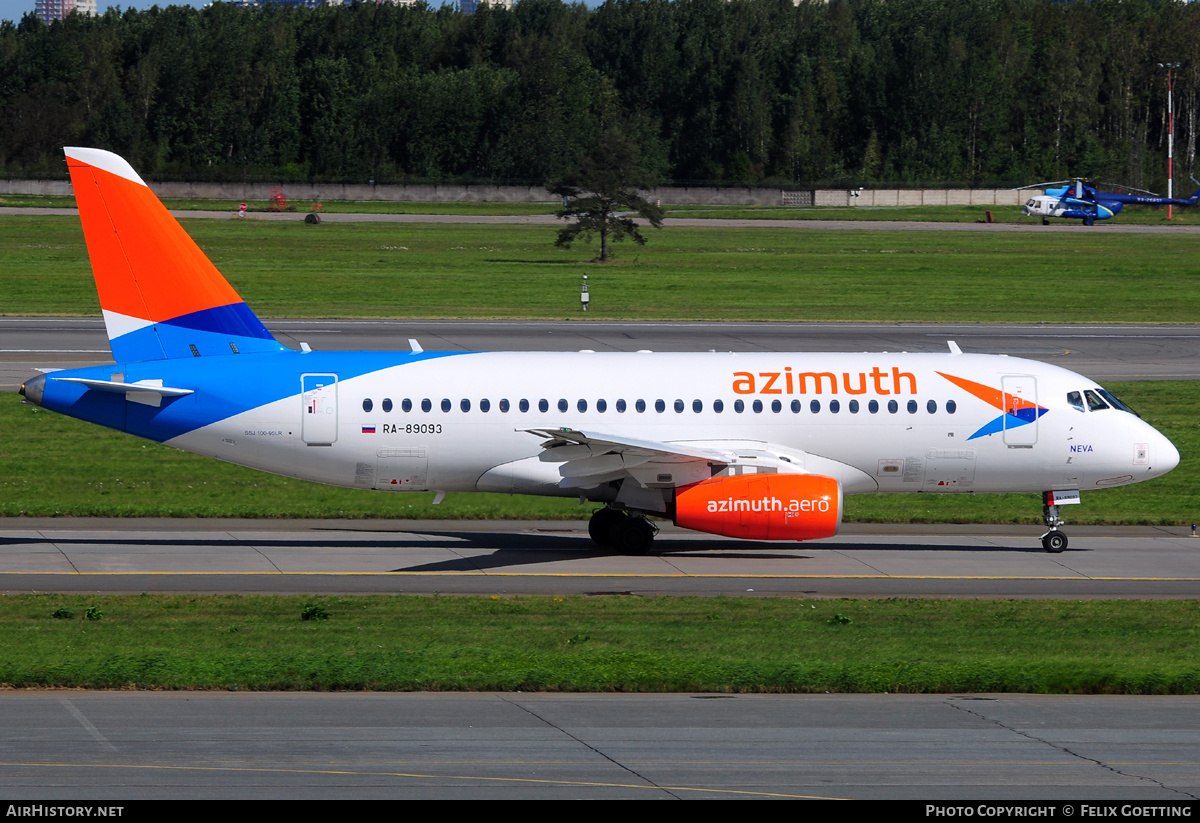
(1029, 224)
(1102, 352)
(558, 558)
(120, 746)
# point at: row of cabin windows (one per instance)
(757, 406)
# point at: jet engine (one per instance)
(762, 506)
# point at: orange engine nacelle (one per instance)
(762, 506)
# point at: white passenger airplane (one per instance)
(756, 446)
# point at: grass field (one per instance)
(514, 271)
(601, 644)
(52, 465)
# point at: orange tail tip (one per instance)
(160, 295)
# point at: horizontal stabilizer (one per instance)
(146, 392)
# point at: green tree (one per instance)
(601, 191)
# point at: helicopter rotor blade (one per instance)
(1043, 185)
(1120, 186)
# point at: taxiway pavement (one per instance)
(120, 746)
(1102, 352)
(558, 558)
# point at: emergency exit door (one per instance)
(318, 393)
(1020, 410)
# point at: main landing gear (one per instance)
(1053, 541)
(627, 533)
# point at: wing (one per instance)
(589, 460)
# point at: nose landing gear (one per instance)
(1053, 541)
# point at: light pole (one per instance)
(1170, 135)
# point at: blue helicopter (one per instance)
(1079, 201)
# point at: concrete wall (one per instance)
(304, 193)
(55, 187)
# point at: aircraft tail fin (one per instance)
(161, 296)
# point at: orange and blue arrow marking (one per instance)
(1015, 410)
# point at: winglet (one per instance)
(160, 295)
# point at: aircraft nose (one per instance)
(1165, 457)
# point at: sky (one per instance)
(15, 9)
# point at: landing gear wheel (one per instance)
(1045, 222)
(632, 535)
(602, 524)
(1054, 541)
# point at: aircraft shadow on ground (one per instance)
(514, 551)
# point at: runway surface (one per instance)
(1102, 352)
(115, 746)
(558, 558)
(1032, 224)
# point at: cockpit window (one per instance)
(1114, 402)
(1093, 400)
(1076, 400)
